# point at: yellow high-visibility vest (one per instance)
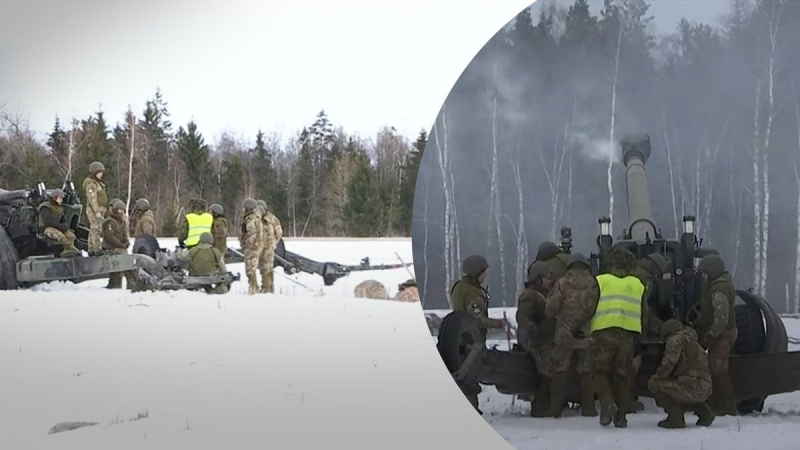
(620, 303)
(198, 224)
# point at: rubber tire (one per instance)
(8, 262)
(458, 331)
(146, 245)
(752, 336)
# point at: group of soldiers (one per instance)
(203, 232)
(564, 310)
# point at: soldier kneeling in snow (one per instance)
(206, 260)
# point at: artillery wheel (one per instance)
(752, 337)
(8, 262)
(457, 333)
(146, 245)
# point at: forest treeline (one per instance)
(320, 181)
(527, 142)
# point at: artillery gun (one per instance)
(760, 364)
(28, 257)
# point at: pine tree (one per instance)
(58, 142)
(409, 180)
(195, 156)
(363, 209)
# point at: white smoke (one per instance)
(597, 149)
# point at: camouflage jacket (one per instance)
(716, 306)
(50, 214)
(683, 356)
(219, 229)
(205, 260)
(531, 318)
(468, 296)
(115, 236)
(559, 264)
(144, 222)
(572, 304)
(96, 197)
(252, 231)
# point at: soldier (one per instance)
(273, 232)
(96, 201)
(219, 228)
(536, 331)
(682, 381)
(718, 330)
(469, 296)
(252, 242)
(655, 273)
(571, 304)
(144, 222)
(550, 253)
(206, 260)
(116, 242)
(52, 225)
(197, 222)
(615, 327)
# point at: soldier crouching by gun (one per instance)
(206, 260)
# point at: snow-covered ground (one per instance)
(777, 428)
(172, 370)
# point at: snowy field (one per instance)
(187, 370)
(777, 428)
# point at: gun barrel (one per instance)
(10, 196)
(635, 152)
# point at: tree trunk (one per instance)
(757, 194)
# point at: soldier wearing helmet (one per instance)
(550, 253)
(206, 260)
(96, 201)
(718, 329)
(53, 225)
(195, 223)
(469, 296)
(143, 221)
(219, 228)
(271, 234)
(116, 242)
(535, 330)
(571, 304)
(251, 240)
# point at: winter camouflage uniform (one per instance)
(371, 289)
(251, 240)
(96, 208)
(50, 224)
(116, 242)
(682, 378)
(571, 304)
(206, 260)
(467, 295)
(718, 330)
(273, 232)
(144, 224)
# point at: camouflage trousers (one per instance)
(719, 350)
(115, 278)
(66, 239)
(565, 345)
(612, 352)
(682, 389)
(95, 239)
(251, 258)
(265, 262)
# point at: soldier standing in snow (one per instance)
(144, 222)
(116, 242)
(272, 233)
(251, 240)
(219, 228)
(96, 201)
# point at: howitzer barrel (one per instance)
(10, 196)
(635, 152)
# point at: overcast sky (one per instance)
(242, 65)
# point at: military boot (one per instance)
(540, 406)
(724, 398)
(705, 416)
(622, 394)
(603, 388)
(558, 384)
(253, 286)
(587, 395)
(674, 412)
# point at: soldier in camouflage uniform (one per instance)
(615, 328)
(469, 296)
(718, 330)
(197, 207)
(682, 380)
(273, 232)
(144, 222)
(535, 331)
(206, 260)
(252, 242)
(96, 201)
(571, 304)
(116, 242)
(52, 225)
(655, 273)
(219, 228)
(550, 253)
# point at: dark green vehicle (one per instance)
(760, 364)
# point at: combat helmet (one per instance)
(712, 265)
(577, 260)
(206, 238)
(621, 260)
(473, 265)
(249, 204)
(197, 204)
(547, 250)
(55, 193)
(669, 327)
(142, 204)
(95, 167)
(262, 204)
(217, 209)
(539, 269)
(117, 204)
